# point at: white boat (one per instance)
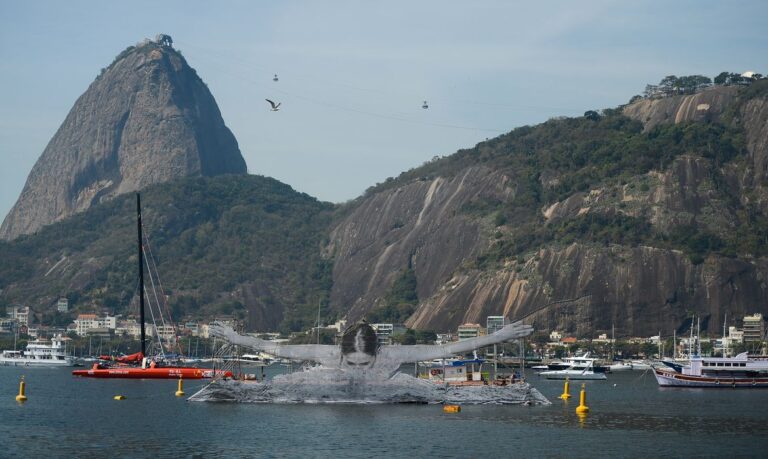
(579, 369)
(626, 366)
(40, 353)
(578, 362)
(251, 359)
(620, 366)
(735, 372)
(640, 365)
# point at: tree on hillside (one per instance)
(400, 301)
(592, 115)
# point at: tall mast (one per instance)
(698, 336)
(674, 344)
(690, 340)
(141, 276)
(725, 337)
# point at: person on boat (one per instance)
(359, 349)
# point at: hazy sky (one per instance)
(353, 74)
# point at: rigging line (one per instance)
(166, 307)
(154, 323)
(154, 290)
(157, 272)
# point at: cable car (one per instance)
(425, 105)
(275, 79)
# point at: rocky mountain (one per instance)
(148, 118)
(639, 218)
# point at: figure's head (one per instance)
(359, 346)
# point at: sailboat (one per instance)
(148, 369)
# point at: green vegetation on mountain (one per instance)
(210, 237)
(400, 302)
(552, 161)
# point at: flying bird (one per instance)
(275, 107)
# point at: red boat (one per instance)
(153, 372)
(120, 367)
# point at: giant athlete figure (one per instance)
(359, 350)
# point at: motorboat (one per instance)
(40, 353)
(630, 365)
(578, 370)
(620, 366)
(577, 363)
(251, 359)
(741, 371)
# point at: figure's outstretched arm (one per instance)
(324, 354)
(405, 354)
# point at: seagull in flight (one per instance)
(275, 107)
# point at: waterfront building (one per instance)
(7, 325)
(494, 323)
(130, 328)
(602, 339)
(339, 325)
(467, 331)
(85, 322)
(166, 332)
(384, 333)
(193, 328)
(20, 314)
(754, 328)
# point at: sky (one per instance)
(353, 75)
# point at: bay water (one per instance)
(630, 416)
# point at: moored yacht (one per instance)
(739, 371)
(40, 353)
(581, 368)
(577, 363)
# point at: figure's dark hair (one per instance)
(360, 337)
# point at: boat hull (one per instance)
(670, 379)
(36, 363)
(574, 376)
(152, 373)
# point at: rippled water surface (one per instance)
(630, 417)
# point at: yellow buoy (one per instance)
(582, 418)
(180, 390)
(119, 397)
(451, 408)
(582, 408)
(21, 398)
(566, 390)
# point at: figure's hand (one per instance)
(222, 331)
(515, 330)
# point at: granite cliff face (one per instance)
(419, 223)
(148, 118)
(579, 286)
